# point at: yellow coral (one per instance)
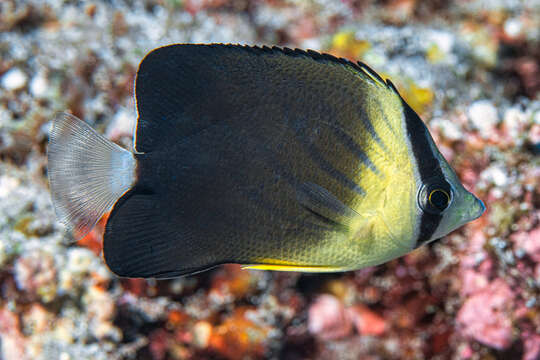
(418, 98)
(345, 44)
(434, 54)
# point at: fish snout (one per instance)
(475, 209)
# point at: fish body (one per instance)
(272, 158)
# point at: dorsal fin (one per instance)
(361, 68)
(183, 89)
(372, 74)
(392, 86)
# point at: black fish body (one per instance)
(272, 158)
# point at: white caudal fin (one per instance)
(87, 173)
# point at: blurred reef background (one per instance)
(471, 69)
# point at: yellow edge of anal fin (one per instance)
(299, 268)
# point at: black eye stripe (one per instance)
(428, 166)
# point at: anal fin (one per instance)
(298, 268)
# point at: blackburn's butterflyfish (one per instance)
(272, 158)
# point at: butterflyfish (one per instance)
(272, 158)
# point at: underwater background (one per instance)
(471, 69)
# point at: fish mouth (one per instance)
(478, 209)
(473, 209)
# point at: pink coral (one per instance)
(473, 282)
(528, 242)
(531, 346)
(328, 318)
(485, 316)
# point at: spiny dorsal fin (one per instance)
(372, 74)
(392, 86)
(361, 68)
(178, 83)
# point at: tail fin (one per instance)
(87, 173)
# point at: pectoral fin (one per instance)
(324, 203)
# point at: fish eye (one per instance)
(439, 199)
(436, 197)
